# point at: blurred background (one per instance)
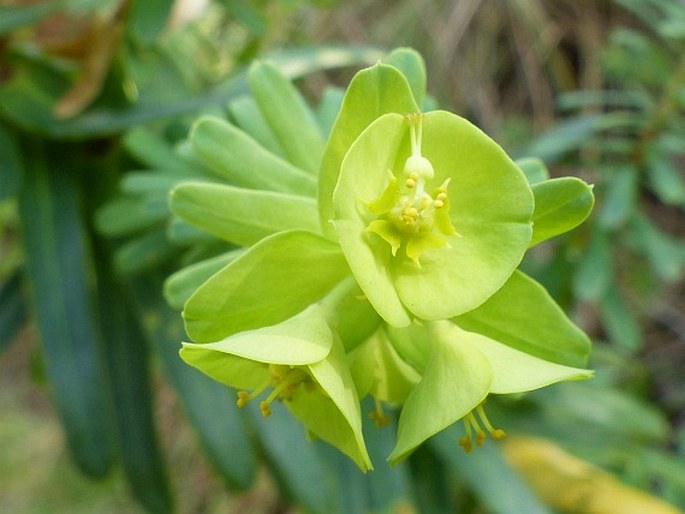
(96, 411)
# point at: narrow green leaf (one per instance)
(665, 254)
(411, 64)
(231, 153)
(127, 357)
(147, 182)
(181, 285)
(619, 322)
(57, 265)
(145, 252)
(10, 163)
(288, 115)
(620, 196)
(524, 316)
(242, 216)
(594, 272)
(371, 93)
(246, 114)
(182, 233)
(12, 309)
(665, 177)
(272, 281)
(565, 137)
(128, 215)
(561, 204)
(217, 419)
(153, 150)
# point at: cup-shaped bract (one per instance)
(432, 215)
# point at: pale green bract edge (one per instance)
(303, 339)
(524, 316)
(372, 92)
(342, 426)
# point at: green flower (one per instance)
(459, 369)
(300, 362)
(432, 215)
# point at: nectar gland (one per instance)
(472, 426)
(407, 215)
(283, 379)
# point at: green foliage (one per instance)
(627, 135)
(228, 211)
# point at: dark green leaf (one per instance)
(620, 324)
(595, 269)
(11, 164)
(207, 403)
(297, 463)
(620, 196)
(57, 265)
(12, 309)
(127, 357)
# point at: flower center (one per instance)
(472, 426)
(407, 215)
(284, 380)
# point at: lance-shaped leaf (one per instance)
(463, 251)
(561, 204)
(372, 92)
(242, 216)
(524, 316)
(304, 363)
(288, 116)
(272, 281)
(234, 155)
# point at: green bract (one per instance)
(399, 281)
(430, 241)
(303, 363)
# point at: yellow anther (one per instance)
(410, 183)
(243, 398)
(471, 425)
(265, 408)
(438, 204)
(414, 176)
(498, 434)
(442, 196)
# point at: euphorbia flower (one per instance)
(300, 362)
(432, 215)
(459, 370)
